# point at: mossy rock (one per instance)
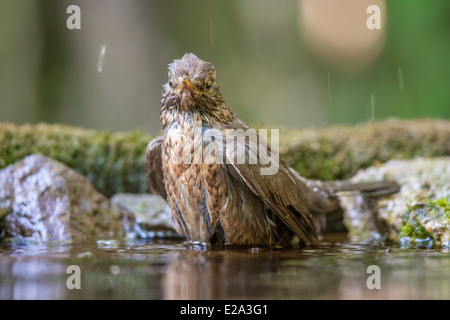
(429, 221)
(419, 214)
(115, 162)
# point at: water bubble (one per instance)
(86, 254)
(114, 269)
(255, 250)
(107, 243)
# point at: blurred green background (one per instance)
(295, 63)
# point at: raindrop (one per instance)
(101, 58)
(212, 43)
(183, 180)
(400, 79)
(329, 88)
(372, 106)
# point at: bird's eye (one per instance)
(208, 85)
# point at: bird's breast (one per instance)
(196, 184)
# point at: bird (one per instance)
(213, 198)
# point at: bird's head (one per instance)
(192, 86)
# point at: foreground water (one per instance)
(170, 270)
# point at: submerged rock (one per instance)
(42, 199)
(418, 215)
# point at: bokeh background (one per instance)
(294, 63)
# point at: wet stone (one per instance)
(153, 216)
(44, 200)
(417, 216)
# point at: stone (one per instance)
(153, 216)
(42, 199)
(115, 162)
(418, 213)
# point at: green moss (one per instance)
(440, 207)
(115, 162)
(3, 213)
(414, 229)
(433, 210)
(339, 152)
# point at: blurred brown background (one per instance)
(295, 63)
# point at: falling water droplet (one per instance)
(183, 180)
(101, 58)
(372, 106)
(329, 88)
(212, 43)
(400, 79)
(194, 175)
(166, 158)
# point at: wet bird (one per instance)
(225, 201)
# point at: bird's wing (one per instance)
(282, 191)
(153, 166)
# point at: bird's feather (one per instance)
(282, 192)
(154, 168)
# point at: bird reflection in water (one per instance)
(237, 272)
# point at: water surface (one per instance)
(171, 270)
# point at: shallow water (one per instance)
(170, 270)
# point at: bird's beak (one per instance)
(187, 84)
